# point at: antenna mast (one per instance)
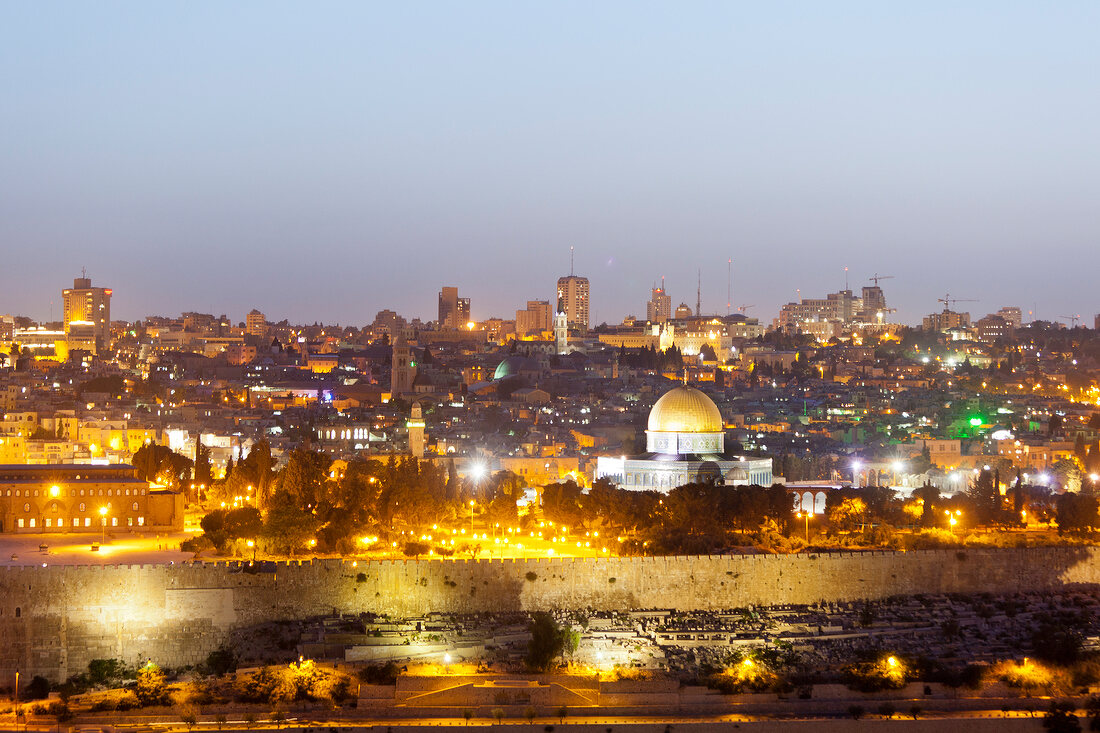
(570, 260)
(699, 295)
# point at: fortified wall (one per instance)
(54, 620)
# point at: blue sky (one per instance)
(323, 161)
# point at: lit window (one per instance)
(31, 523)
(141, 521)
(76, 521)
(135, 507)
(114, 521)
(81, 506)
(87, 521)
(48, 521)
(129, 521)
(26, 507)
(19, 522)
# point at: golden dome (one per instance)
(685, 410)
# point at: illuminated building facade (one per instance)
(83, 498)
(685, 443)
(255, 323)
(535, 319)
(659, 307)
(87, 314)
(573, 300)
(454, 312)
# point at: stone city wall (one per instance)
(54, 620)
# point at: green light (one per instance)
(976, 421)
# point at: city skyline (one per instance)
(182, 156)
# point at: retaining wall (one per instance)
(55, 619)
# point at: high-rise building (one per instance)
(1013, 316)
(842, 307)
(659, 307)
(255, 323)
(454, 312)
(536, 318)
(88, 312)
(573, 300)
(873, 308)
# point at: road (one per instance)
(75, 549)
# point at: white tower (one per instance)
(561, 332)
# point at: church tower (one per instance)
(561, 332)
(415, 424)
(402, 369)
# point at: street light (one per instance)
(805, 516)
(856, 465)
(252, 545)
(102, 524)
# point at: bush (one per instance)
(38, 689)
(221, 661)
(415, 549)
(379, 674)
(104, 671)
(151, 688)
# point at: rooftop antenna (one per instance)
(570, 260)
(729, 285)
(83, 272)
(845, 277)
(699, 295)
(662, 284)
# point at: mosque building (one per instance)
(685, 443)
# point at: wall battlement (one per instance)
(55, 619)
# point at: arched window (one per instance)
(82, 507)
(26, 507)
(135, 506)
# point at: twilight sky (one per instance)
(322, 161)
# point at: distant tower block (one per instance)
(561, 332)
(402, 369)
(415, 425)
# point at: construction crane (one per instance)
(947, 300)
(744, 308)
(876, 277)
(1073, 320)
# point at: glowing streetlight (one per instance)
(252, 546)
(102, 524)
(806, 517)
(856, 466)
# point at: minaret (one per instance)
(415, 424)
